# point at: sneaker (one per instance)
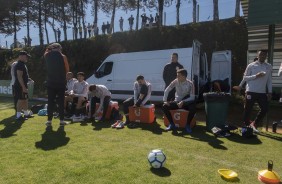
(188, 129)
(48, 123)
(115, 124)
(63, 123)
(170, 127)
(120, 125)
(101, 119)
(21, 118)
(252, 125)
(280, 100)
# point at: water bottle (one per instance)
(274, 126)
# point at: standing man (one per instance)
(57, 66)
(121, 24)
(13, 82)
(20, 86)
(184, 99)
(142, 93)
(131, 22)
(169, 74)
(258, 89)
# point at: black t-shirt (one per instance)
(144, 90)
(21, 67)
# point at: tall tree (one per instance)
(194, 11)
(237, 9)
(215, 10)
(160, 10)
(177, 12)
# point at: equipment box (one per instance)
(145, 114)
(179, 117)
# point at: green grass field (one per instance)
(99, 154)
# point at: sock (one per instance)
(19, 114)
(26, 113)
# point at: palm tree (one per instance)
(237, 9)
(215, 10)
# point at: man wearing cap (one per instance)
(57, 67)
(20, 86)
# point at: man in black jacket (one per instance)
(57, 67)
(169, 74)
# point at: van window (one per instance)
(104, 70)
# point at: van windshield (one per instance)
(104, 70)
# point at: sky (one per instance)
(226, 10)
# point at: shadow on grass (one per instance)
(52, 139)
(152, 127)
(200, 134)
(11, 126)
(162, 172)
(271, 136)
(100, 125)
(231, 180)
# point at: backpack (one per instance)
(35, 108)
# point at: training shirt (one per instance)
(260, 84)
(101, 92)
(70, 84)
(144, 89)
(21, 67)
(80, 89)
(184, 90)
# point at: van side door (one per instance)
(221, 66)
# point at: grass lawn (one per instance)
(99, 154)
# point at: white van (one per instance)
(118, 72)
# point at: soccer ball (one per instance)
(157, 158)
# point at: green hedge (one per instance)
(86, 54)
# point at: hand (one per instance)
(166, 103)
(25, 90)
(260, 74)
(269, 96)
(180, 104)
(237, 88)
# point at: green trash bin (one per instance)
(30, 86)
(216, 107)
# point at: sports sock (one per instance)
(19, 114)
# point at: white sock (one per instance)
(26, 113)
(19, 114)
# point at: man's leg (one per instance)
(191, 107)
(249, 103)
(60, 101)
(93, 102)
(166, 110)
(106, 102)
(51, 102)
(126, 104)
(263, 105)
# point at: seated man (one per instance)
(79, 93)
(99, 94)
(142, 93)
(184, 99)
(70, 83)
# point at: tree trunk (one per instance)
(96, 11)
(41, 40)
(161, 9)
(194, 11)
(83, 19)
(27, 23)
(137, 15)
(45, 24)
(177, 12)
(237, 9)
(53, 23)
(113, 16)
(65, 24)
(15, 29)
(215, 10)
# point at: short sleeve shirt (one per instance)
(21, 67)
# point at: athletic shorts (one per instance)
(19, 93)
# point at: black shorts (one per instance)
(19, 93)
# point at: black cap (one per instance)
(24, 53)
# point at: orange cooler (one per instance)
(145, 114)
(179, 117)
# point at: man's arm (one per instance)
(20, 79)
